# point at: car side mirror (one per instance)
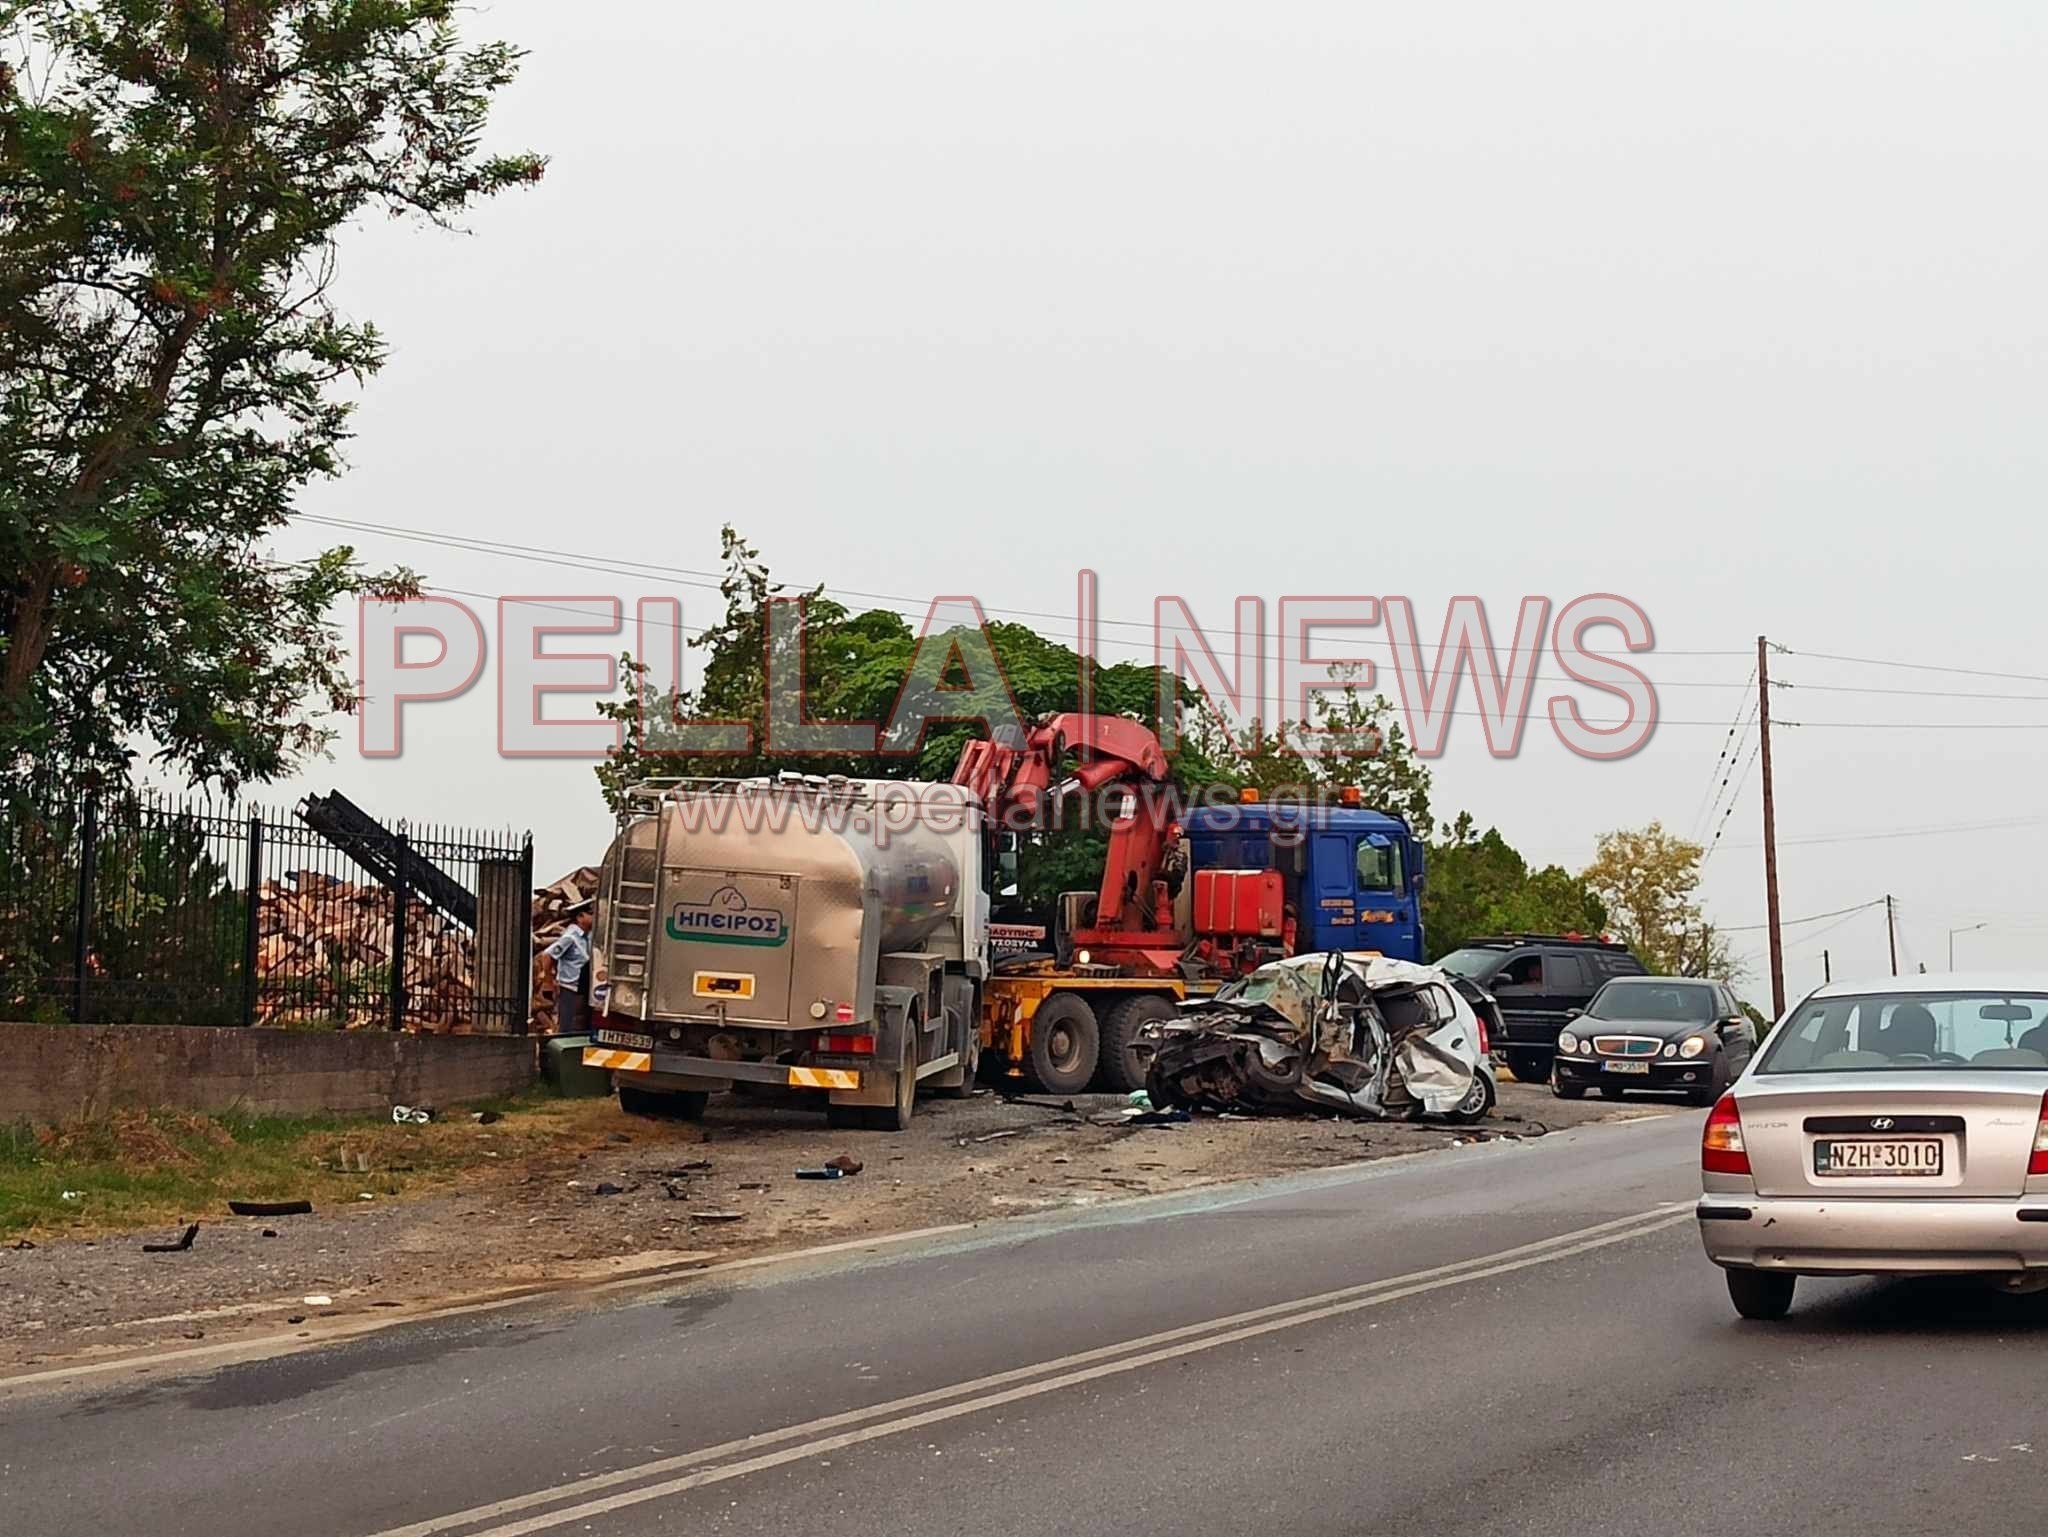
(1573, 1013)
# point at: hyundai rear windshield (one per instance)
(1873, 1032)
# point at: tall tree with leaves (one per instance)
(1479, 884)
(1353, 740)
(1649, 880)
(174, 178)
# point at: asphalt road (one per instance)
(1498, 1338)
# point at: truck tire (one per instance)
(1531, 1067)
(1066, 1044)
(970, 1067)
(686, 1106)
(895, 1117)
(1125, 1060)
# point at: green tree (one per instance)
(175, 176)
(1480, 885)
(854, 669)
(1650, 879)
(1353, 741)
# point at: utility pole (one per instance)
(1891, 928)
(1763, 715)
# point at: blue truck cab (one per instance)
(1353, 877)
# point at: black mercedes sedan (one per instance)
(1679, 1035)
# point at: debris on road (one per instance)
(1363, 1036)
(487, 1117)
(996, 1136)
(845, 1163)
(717, 1216)
(271, 1208)
(409, 1115)
(318, 1300)
(176, 1245)
(821, 1173)
(607, 1187)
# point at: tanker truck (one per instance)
(810, 933)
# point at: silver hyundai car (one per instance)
(1894, 1128)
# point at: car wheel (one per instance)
(1764, 1295)
(1476, 1105)
(1565, 1090)
(1066, 1044)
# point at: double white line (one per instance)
(680, 1474)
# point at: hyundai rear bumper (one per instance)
(1875, 1237)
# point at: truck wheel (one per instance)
(894, 1117)
(1125, 1059)
(685, 1106)
(1066, 1044)
(1529, 1066)
(970, 1068)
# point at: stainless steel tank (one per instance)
(773, 901)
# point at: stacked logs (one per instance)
(323, 956)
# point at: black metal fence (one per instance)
(153, 910)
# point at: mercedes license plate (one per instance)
(1624, 1067)
(1886, 1157)
(625, 1040)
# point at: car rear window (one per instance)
(1872, 1032)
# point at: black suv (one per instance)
(1538, 981)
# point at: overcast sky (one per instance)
(1734, 310)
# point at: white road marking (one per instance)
(814, 1439)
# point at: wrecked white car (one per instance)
(1352, 1033)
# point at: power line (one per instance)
(1872, 661)
(1787, 923)
(1704, 814)
(1941, 829)
(690, 576)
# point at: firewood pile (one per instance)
(552, 909)
(324, 955)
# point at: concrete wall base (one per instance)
(53, 1073)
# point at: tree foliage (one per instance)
(1354, 740)
(1649, 879)
(174, 178)
(1479, 885)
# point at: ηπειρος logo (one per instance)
(726, 918)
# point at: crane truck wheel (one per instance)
(1125, 1058)
(1066, 1044)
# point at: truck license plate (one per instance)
(1888, 1158)
(1625, 1067)
(625, 1040)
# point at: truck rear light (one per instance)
(1721, 1149)
(2038, 1164)
(843, 1014)
(847, 1045)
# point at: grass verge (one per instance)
(132, 1168)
